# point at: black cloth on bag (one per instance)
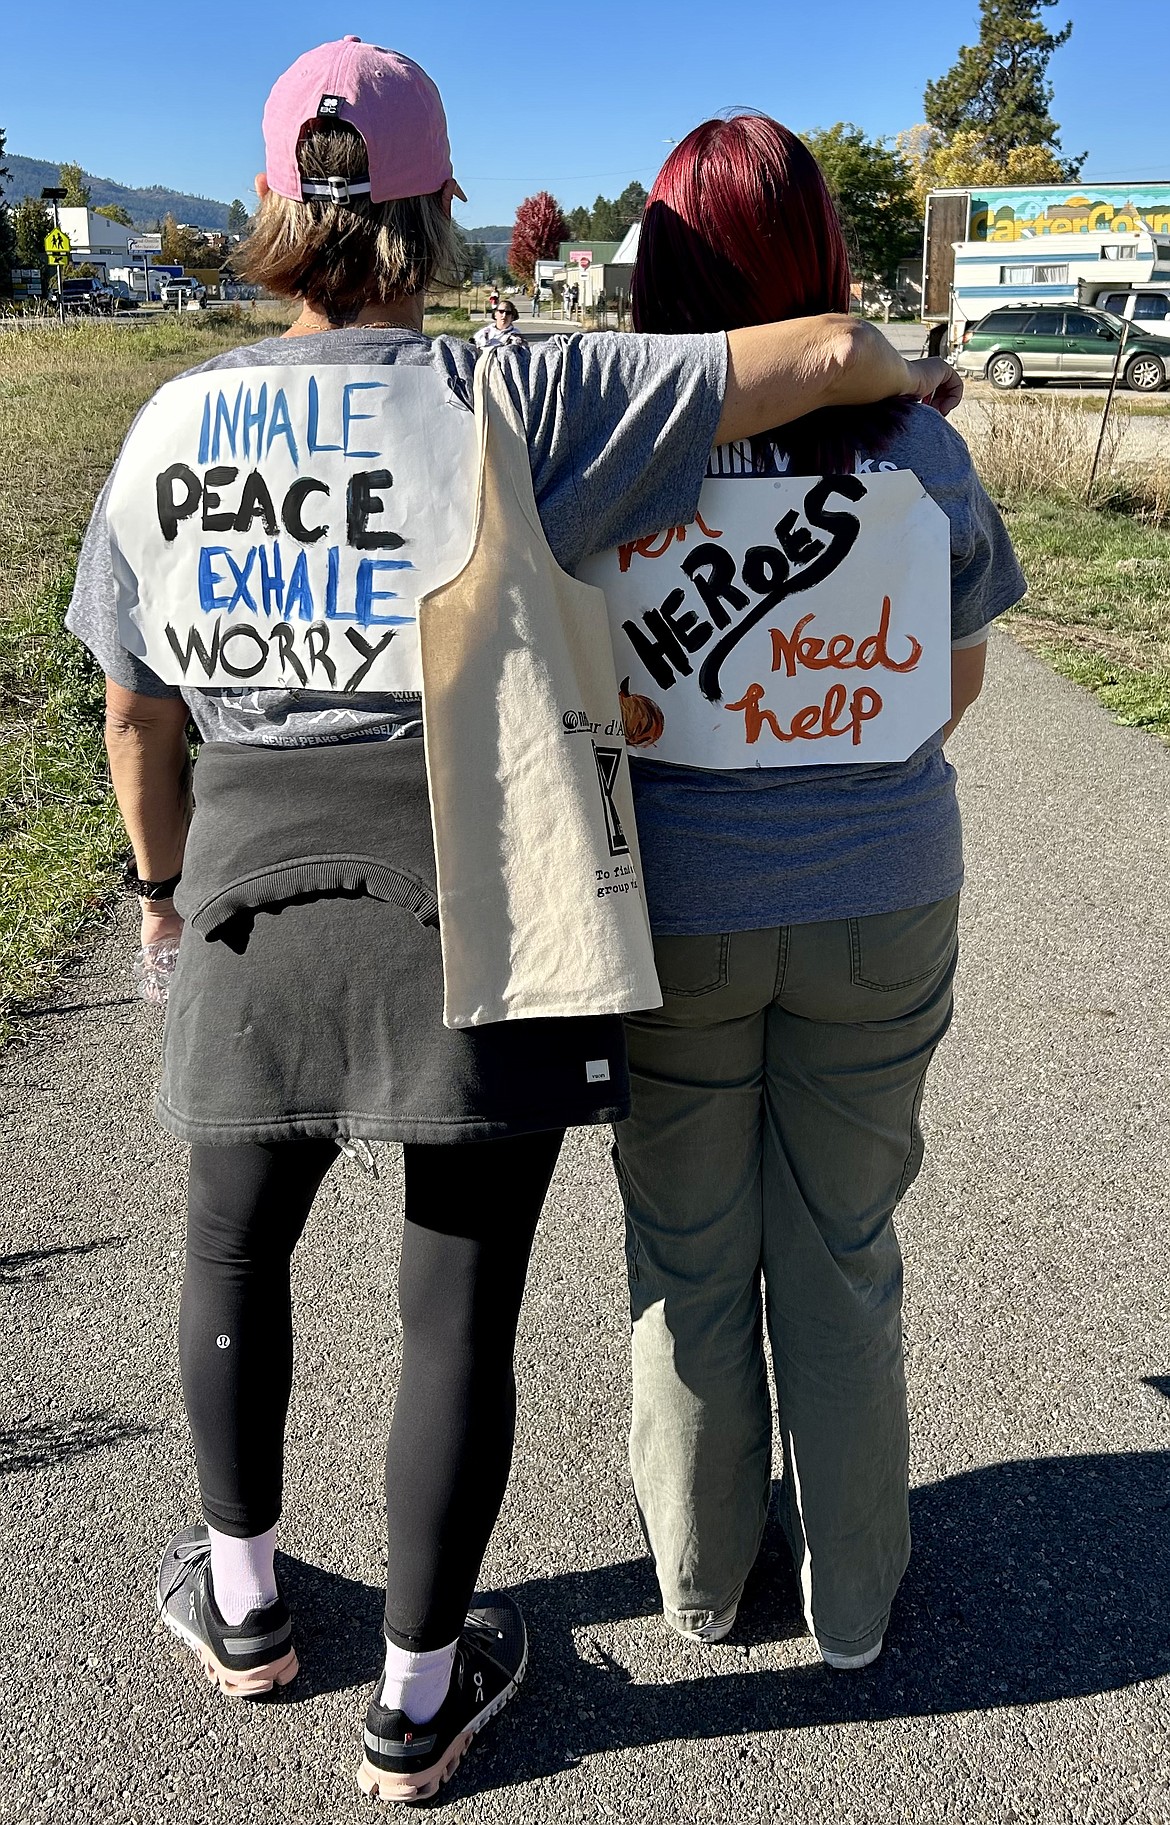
(308, 994)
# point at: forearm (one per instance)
(150, 770)
(780, 371)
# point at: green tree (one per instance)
(872, 187)
(114, 212)
(7, 229)
(237, 216)
(631, 204)
(577, 221)
(32, 221)
(999, 87)
(605, 222)
(180, 246)
(76, 192)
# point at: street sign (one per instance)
(583, 258)
(58, 259)
(57, 246)
(145, 243)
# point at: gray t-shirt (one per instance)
(764, 847)
(619, 429)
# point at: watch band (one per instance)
(150, 890)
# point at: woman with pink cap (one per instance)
(254, 564)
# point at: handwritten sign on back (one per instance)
(797, 622)
(277, 526)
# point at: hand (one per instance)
(161, 924)
(935, 383)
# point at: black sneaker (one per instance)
(243, 1659)
(405, 1761)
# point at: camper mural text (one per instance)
(278, 526)
(1020, 215)
(797, 622)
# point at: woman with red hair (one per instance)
(805, 928)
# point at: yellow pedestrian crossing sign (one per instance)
(57, 246)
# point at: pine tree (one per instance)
(32, 220)
(631, 204)
(537, 233)
(999, 87)
(577, 223)
(605, 223)
(7, 229)
(237, 216)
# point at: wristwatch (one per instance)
(150, 890)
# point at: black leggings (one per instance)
(471, 1214)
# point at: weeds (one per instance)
(67, 395)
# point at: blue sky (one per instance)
(576, 99)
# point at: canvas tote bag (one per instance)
(541, 906)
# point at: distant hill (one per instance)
(32, 175)
(496, 238)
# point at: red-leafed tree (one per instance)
(537, 233)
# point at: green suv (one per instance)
(1059, 342)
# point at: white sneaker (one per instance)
(850, 1663)
(718, 1628)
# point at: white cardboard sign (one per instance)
(802, 621)
(277, 526)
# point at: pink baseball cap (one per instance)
(391, 102)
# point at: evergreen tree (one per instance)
(605, 222)
(237, 216)
(872, 187)
(114, 212)
(631, 204)
(577, 223)
(32, 221)
(76, 192)
(7, 229)
(999, 87)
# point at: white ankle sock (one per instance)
(243, 1576)
(417, 1683)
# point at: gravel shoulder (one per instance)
(1026, 1670)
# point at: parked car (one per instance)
(182, 294)
(1148, 310)
(1022, 342)
(90, 297)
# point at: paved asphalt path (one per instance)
(1025, 1676)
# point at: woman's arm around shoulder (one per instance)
(780, 371)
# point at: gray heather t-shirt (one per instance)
(748, 850)
(619, 429)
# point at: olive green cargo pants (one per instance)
(774, 1129)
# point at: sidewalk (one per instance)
(1026, 1672)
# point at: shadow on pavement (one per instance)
(32, 1263)
(36, 1447)
(1033, 1581)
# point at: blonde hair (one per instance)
(341, 256)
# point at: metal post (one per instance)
(1107, 408)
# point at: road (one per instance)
(1025, 1676)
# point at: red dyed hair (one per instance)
(740, 229)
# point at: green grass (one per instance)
(66, 400)
(1098, 604)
